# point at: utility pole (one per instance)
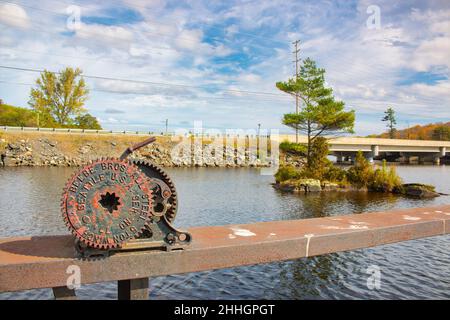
(167, 125)
(38, 114)
(408, 130)
(257, 138)
(296, 61)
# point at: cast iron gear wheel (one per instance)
(155, 172)
(107, 202)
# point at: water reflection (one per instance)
(308, 277)
(315, 205)
(29, 205)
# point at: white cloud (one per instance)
(435, 52)
(175, 46)
(189, 39)
(144, 5)
(250, 77)
(14, 15)
(440, 90)
(192, 40)
(141, 88)
(222, 51)
(112, 35)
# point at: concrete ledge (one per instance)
(349, 141)
(42, 262)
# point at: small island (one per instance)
(319, 174)
(305, 167)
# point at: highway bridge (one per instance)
(345, 148)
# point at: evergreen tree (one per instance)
(389, 117)
(321, 114)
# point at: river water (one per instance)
(29, 200)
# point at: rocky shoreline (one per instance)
(45, 151)
(305, 186)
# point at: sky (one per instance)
(218, 61)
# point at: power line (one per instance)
(182, 85)
(67, 56)
(428, 116)
(191, 39)
(81, 31)
(175, 50)
(146, 82)
(296, 61)
(161, 94)
(372, 68)
(144, 7)
(344, 72)
(107, 35)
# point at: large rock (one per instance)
(84, 149)
(310, 185)
(300, 185)
(329, 186)
(417, 190)
(12, 146)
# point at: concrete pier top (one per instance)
(353, 144)
(371, 141)
(48, 261)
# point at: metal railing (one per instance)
(76, 130)
(44, 261)
(123, 132)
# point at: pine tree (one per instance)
(321, 114)
(391, 122)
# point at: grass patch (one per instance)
(292, 147)
(287, 173)
(361, 175)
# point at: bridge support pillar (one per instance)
(369, 156)
(442, 151)
(352, 159)
(437, 160)
(339, 158)
(375, 151)
(408, 159)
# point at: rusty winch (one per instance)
(116, 204)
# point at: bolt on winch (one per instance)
(121, 204)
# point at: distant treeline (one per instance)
(432, 131)
(24, 117)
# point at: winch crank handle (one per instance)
(133, 148)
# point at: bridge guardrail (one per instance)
(115, 132)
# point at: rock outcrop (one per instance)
(299, 185)
(417, 190)
(71, 151)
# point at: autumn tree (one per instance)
(441, 133)
(16, 117)
(318, 162)
(389, 118)
(87, 121)
(321, 114)
(60, 95)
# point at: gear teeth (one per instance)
(171, 212)
(63, 204)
